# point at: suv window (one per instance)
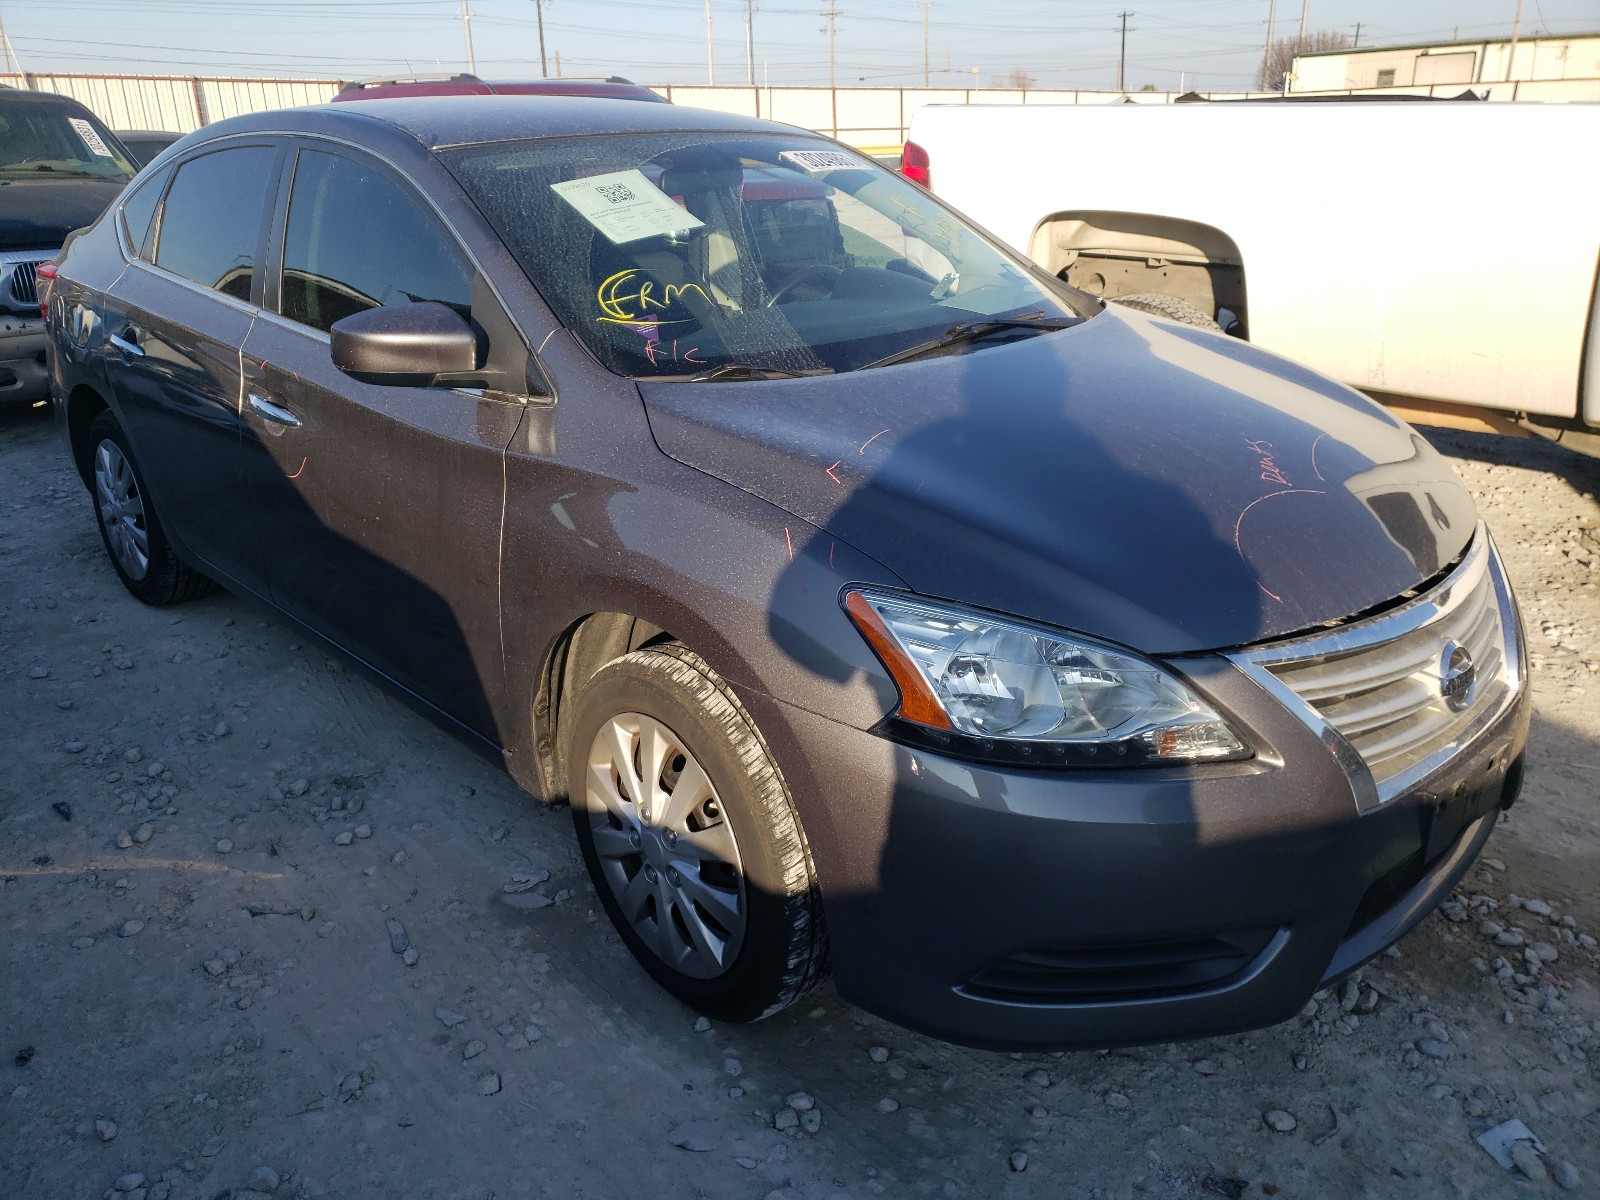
(211, 221)
(358, 239)
(139, 209)
(50, 140)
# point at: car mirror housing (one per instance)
(408, 345)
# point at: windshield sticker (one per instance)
(626, 207)
(90, 138)
(816, 161)
(632, 298)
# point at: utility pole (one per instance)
(544, 69)
(11, 53)
(925, 9)
(1300, 38)
(466, 26)
(749, 43)
(1357, 42)
(558, 64)
(1516, 30)
(1122, 58)
(1266, 63)
(711, 62)
(833, 14)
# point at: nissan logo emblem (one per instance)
(1457, 675)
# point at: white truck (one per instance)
(1434, 254)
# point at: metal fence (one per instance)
(860, 116)
(176, 103)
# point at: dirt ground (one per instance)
(221, 1007)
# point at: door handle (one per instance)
(275, 413)
(127, 344)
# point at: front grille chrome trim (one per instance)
(19, 273)
(1372, 690)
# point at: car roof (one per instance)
(11, 95)
(439, 121)
(468, 85)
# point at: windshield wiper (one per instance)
(972, 331)
(735, 372)
(48, 169)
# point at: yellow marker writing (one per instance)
(637, 305)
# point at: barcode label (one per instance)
(816, 161)
(617, 193)
(90, 138)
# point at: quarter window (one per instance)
(211, 221)
(357, 239)
(138, 211)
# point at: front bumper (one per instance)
(24, 377)
(1012, 908)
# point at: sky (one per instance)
(1205, 44)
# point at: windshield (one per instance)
(670, 255)
(47, 139)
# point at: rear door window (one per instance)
(357, 238)
(211, 221)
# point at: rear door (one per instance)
(176, 320)
(379, 506)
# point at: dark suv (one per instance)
(59, 168)
(1055, 674)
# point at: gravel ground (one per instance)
(265, 931)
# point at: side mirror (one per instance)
(404, 345)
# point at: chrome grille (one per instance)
(25, 283)
(1397, 695)
(19, 278)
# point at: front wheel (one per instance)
(691, 837)
(132, 533)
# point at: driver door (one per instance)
(379, 506)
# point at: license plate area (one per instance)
(1446, 812)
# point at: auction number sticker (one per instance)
(817, 161)
(626, 207)
(90, 138)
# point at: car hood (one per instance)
(1163, 487)
(37, 214)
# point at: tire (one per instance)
(1170, 307)
(129, 527)
(715, 895)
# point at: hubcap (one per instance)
(666, 849)
(121, 508)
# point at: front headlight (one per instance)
(994, 688)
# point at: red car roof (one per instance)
(470, 85)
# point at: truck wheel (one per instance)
(691, 838)
(132, 533)
(1170, 307)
